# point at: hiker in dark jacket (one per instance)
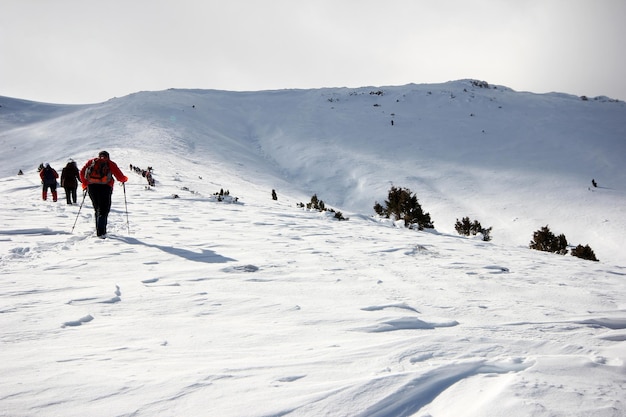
(49, 180)
(99, 184)
(70, 176)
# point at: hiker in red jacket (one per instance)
(48, 177)
(97, 177)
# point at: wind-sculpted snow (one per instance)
(608, 322)
(74, 323)
(409, 394)
(259, 308)
(407, 323)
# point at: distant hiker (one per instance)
(97, 177)
(594, 183)
(274, 196)
(49, 180)
(70, 176)
(150, 179)
(20, 172)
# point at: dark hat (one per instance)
(103, 154)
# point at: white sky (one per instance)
(86, 51)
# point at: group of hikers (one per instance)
(96, 178)
(146, 173)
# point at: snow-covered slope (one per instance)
(514, 161)
(260, 308)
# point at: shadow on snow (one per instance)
(206, 256)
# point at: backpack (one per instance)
(48, 176)
(98, 172)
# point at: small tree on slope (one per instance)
(584, 252)
(403, 205)
(544, 240)
(466, 227)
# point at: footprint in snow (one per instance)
(96, 300)
(497, 269)
(291, 378)
(242, 268)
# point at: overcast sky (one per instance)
(88, 51)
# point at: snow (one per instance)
(255, 307)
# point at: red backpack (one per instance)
(98, 172)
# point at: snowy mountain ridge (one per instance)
(460, 146)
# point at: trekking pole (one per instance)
(126, 207)
(81, 206)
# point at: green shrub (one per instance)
(584, 252)
(466, 227)
(544, 240)
(319, 205)
(338, 215)
(401, 204)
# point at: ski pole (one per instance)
(79, 209)
(126, 207)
